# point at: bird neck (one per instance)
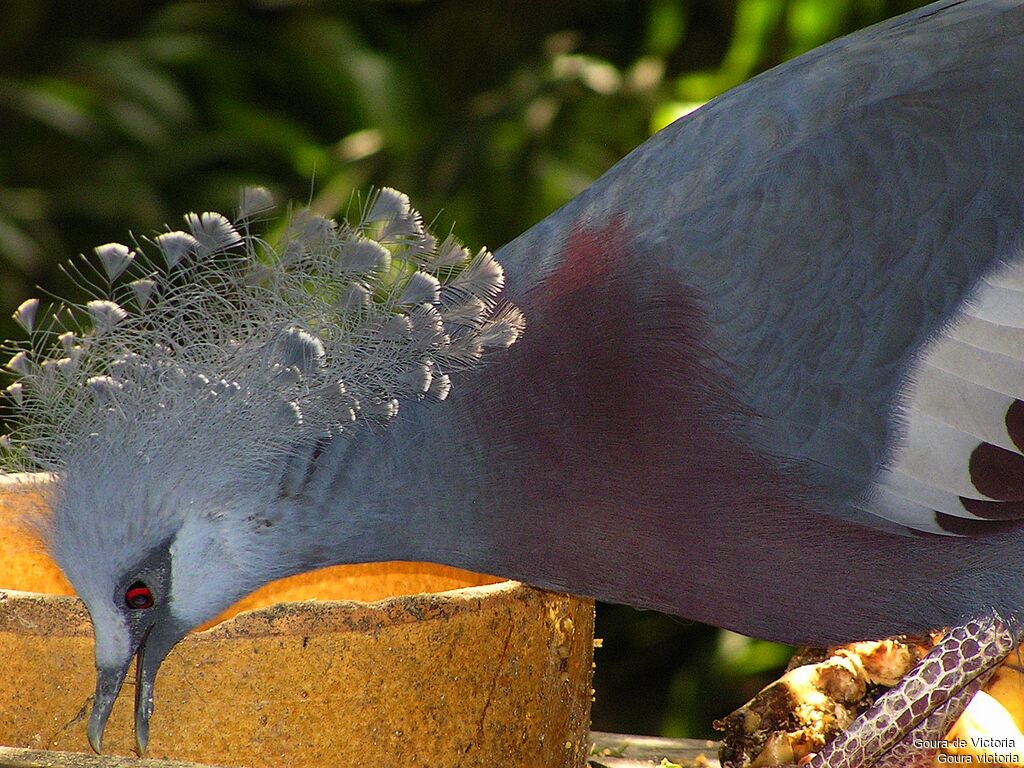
(398, 493)
(540, 461)
(604, 455)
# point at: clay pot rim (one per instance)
(36, 613)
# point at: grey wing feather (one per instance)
(838, 215)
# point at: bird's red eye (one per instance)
(138, 596)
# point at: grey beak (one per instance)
(146, 666)
(108, 685)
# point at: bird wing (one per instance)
(853, 222)
(957, 464)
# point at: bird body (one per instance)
(768, 380)
(726, 335)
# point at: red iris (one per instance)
(138, 596)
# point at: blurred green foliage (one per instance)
(118, 115)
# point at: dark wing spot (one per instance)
(961, 526)
(997, 472)
(1015, 423)
(994, 510)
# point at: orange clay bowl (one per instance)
(387, 664)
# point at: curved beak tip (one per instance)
(108, 686)
(141, 740)
(96, 739)
(101, 707)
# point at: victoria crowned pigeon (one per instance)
(766, 373)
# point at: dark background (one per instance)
(119, 116)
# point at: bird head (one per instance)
(168, 405)
(125, 576)
(153, 554)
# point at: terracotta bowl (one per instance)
(445, 668)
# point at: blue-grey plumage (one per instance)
(726, 387)
(769, 379)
